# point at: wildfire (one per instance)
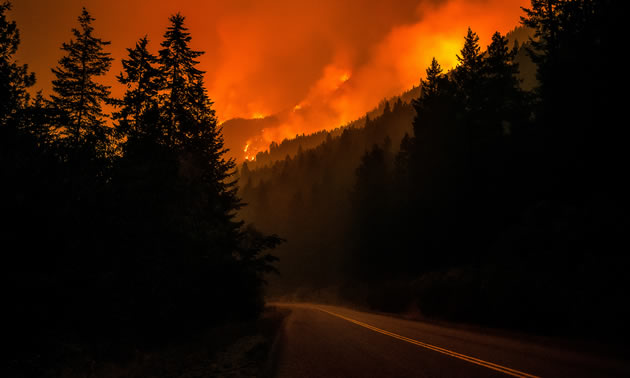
(351, 74)
(249, 155)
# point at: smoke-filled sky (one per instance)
(324, 62)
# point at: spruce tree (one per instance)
(467, 75)
(183, 81)
(499, 62)
(434, 127)
(143, 80)
(504, 101)
(468, 80)
(14, 78)
(78, 97)
(436, 92)
(205, 201)
(190, 125)
(429, 86)
(429, 99)
(578, 39)
(544, 17)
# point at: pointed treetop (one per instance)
(500, 69)
(77, 95)
(85, 18)
(499, 44)
(498, 53)
(143, 80)
(176, 49)
(470, 53)
(179, 62)
(467, 74)
(429, 87)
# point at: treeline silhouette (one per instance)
(504, 206)
(290, 147)
(119, 229)
(234, 129)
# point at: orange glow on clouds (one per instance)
(314, 65)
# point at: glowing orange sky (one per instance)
(336, 58)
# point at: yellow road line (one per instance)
(464, 357)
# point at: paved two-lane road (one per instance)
(329, 341)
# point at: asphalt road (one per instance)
(329, 341)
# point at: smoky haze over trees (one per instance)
(504, 205)
(120, 228)
(493, 193)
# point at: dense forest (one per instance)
(492, 193)
(504, 205)
(289, 147)
(118, 227)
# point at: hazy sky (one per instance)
(336, 58)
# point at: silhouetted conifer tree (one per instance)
(14, 78)
(429, 86)
(79, 97)
(577, 38)
(181, 105)
(544, 17)
(435, 108)
(468, 73)
(204, 196)
(504, 102)
(142, 77)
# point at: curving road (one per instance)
(330, 341)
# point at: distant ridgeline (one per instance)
(291, 147)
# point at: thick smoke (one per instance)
(339, 61)
(316, 64)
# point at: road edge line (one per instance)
(474, 360)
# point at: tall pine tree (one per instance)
(429, 86)
(142, 77)
(79, 97)
(504, 101)
(181, 105)
(468, 73)
(189, 122)
(544, 17)
(14, 78)
(578, 39)
(206, 193)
